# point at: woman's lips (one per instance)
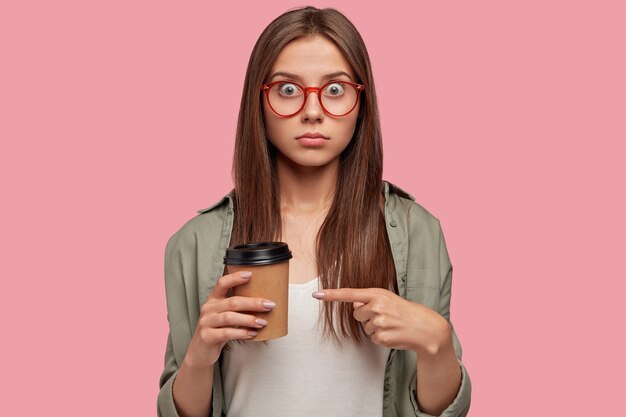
(312, 139)
(316, 141)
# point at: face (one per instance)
(310, 60)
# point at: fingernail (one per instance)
(245, 275)
(252, 333)
(261, 322)
(319, 295)
(269, 304)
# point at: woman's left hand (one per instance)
(391, 321)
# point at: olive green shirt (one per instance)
(194, 260)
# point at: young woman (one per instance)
(370, 277)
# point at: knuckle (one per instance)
(228, 317)
(205, 336)
(209, 309)
(381, 338)
(203, 321)
(230, 333)
(219, 284)
(206, 307)
(234, 303)
(217, 320)
(224, 334)
(222, 282)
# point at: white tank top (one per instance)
(301, 374)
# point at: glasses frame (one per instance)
(318, 90)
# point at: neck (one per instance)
(306, 190)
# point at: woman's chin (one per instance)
(308, 163)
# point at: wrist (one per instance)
(196, 358)
(196, 364)
(439, 342)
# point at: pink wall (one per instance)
(506, 121)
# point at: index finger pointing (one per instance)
(347, 295)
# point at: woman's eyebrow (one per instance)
(325, 77)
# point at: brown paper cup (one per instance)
(270, 280)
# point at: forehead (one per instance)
(311, 58)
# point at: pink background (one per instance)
(505, 120)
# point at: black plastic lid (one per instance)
(262, 253)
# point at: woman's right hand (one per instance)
(221, 320)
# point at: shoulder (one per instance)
(403, 207)
(205, 224)
(417, 242)
(223, 203)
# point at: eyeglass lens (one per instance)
(338, 98)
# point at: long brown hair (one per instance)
(352, 244)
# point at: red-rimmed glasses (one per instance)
(337, 98)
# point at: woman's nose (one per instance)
(312, 108)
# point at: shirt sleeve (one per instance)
(174, 288)
(185, 258)
(461, 403)
(165, 401)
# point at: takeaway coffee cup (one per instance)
(269, 264)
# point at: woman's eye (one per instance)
(288, 89)
(334, 89)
